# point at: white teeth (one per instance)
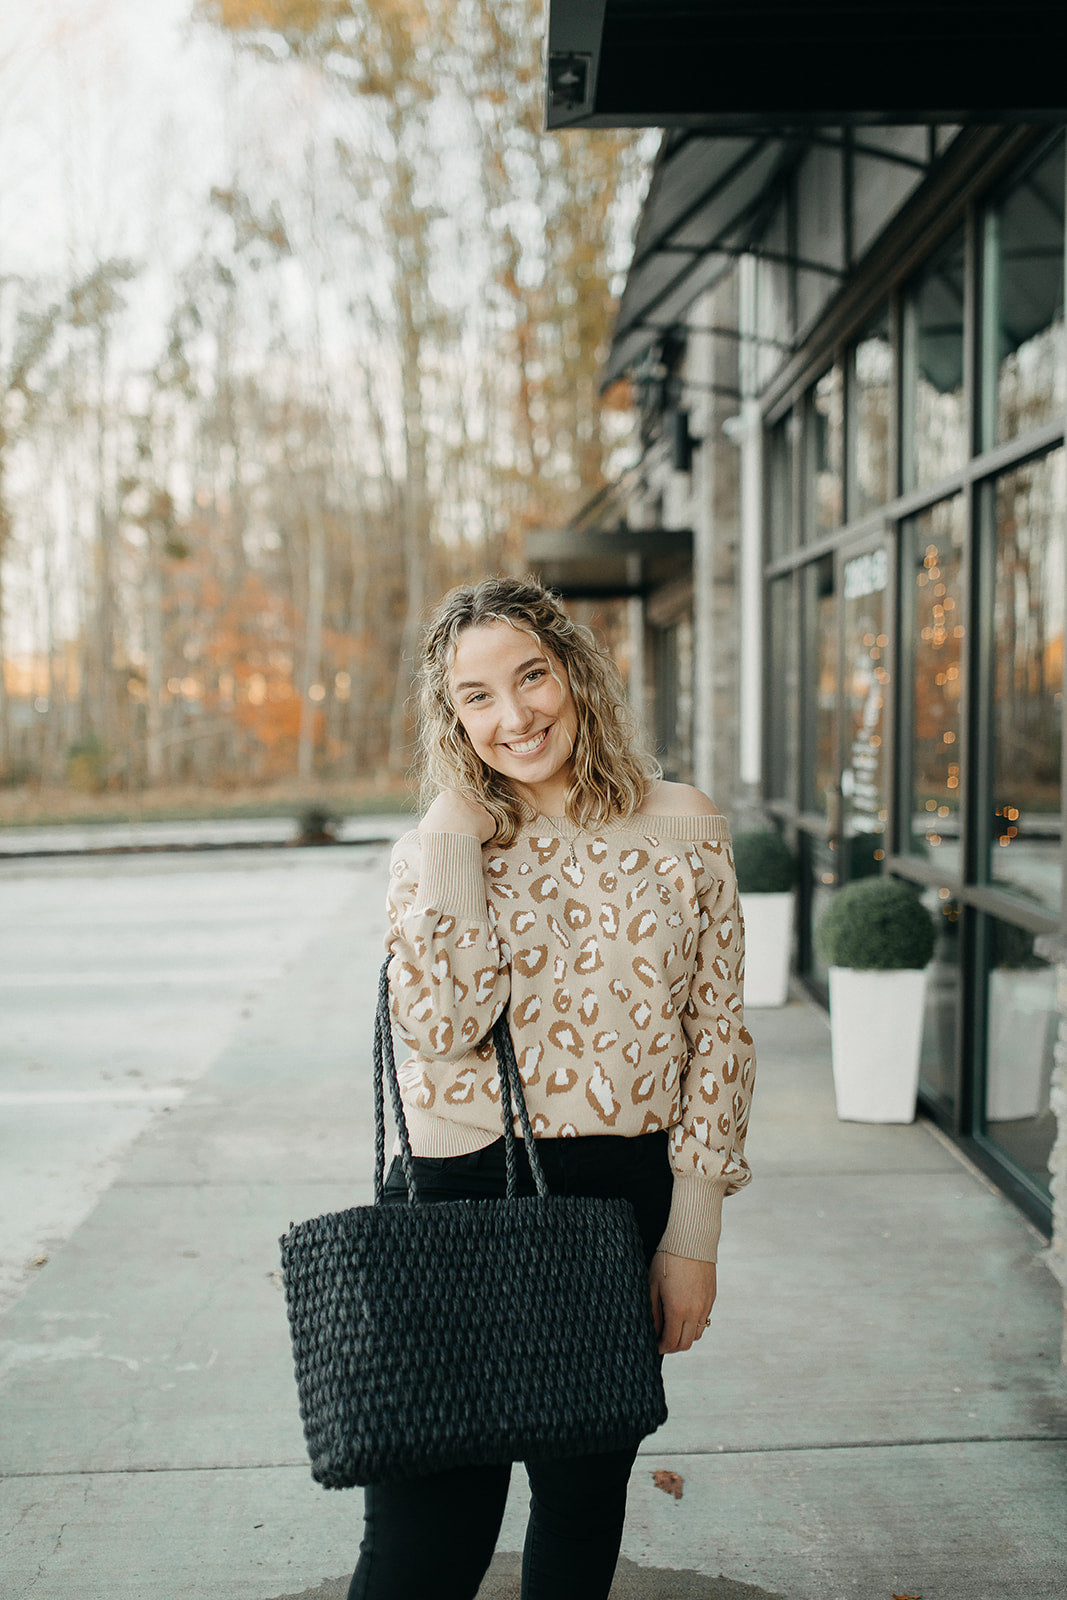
(529, 744)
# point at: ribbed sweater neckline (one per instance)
(647, 825)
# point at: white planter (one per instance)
(1022, 1022)
(876, 1024)
(768, 945)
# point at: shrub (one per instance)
(316, 826)
(764, 863)
(87, 765)
(1010, 946)
(877, 924)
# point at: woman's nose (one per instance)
(517, 714)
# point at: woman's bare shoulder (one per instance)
(676, 800)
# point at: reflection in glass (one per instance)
(863, 777)
(1025, 375)
(821, 883)
(1021, 1026)
(782, 447)
(872, 409)
(819, 751)
(672, 658)
(783, 721)
(934, 552)
(934, 439)
(826, 423)
(940, 1039)
(1027, 711)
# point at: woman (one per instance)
(554, 873)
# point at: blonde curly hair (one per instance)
(612, 772)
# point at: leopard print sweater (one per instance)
(621, 959)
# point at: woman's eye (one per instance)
(534, 674)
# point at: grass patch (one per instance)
(52, 807)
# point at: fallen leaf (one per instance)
(907, 1597)
(669, 1482)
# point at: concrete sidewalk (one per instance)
(878, 1410)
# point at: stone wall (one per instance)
(714, 398)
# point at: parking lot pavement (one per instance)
(121, 979)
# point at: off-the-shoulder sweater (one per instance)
(620, 957)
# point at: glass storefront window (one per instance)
(826, 453)
(934, 438)
(1024, 373)
(673, 711)
(931, 745)
(865, 584)
(819, 871)
(1021, 1026)
(782, 720)
(940, 1036)
(782, 446)
(872, 412)
(1027, 674)
(819, 708)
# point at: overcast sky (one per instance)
(111, 112)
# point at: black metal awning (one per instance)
(733, 65)
(707, 201)
(608, 563)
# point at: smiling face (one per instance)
(516, 708)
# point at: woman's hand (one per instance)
(683, 1293)
(453, 812)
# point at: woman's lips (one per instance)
(527, 747)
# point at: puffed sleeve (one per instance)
(448, 978)
(707, 1147)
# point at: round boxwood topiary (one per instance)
(1012, 947)
(877, 924)
(764, 863)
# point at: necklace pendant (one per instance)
(572, 854)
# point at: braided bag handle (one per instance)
(510, 1090)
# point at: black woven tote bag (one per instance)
(460, 1333)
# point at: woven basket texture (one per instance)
(466, 1332)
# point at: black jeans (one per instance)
(433, 1538)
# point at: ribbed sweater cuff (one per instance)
(450, 875)
(695, 1221)
(431, 1135)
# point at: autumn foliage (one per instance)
(378, 369)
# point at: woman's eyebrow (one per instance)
(524, 666)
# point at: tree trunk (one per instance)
(311, 665)
(5, 532)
